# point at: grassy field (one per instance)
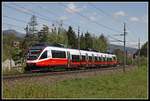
(131, 84)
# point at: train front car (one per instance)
(115, 61)
(32, 57)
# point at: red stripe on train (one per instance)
(52, 62)
(57, 62)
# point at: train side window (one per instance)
(100, 59)
(108, 59)
(111, 59)
(75, 58)
(90, 58)
(114, 58)
(44, 55)
(105, 59)
(96, 58)
(83, 58)
(58, 54)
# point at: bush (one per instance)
(143, 61)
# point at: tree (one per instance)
(32, 31)
(88, 40)
(72, 39)
(43, 34)
(143, 51)
(32, 25)
(31, 36)
(82, 41)
(62, 38)
(120, 55)
(7, 45)
(103, 44)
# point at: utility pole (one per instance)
(126, 56)
(78, 37)
(139, 53)
(124, 47)
(79, 43)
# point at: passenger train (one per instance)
(47, 56)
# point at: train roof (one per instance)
(72, 51)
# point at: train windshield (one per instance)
(33, 54)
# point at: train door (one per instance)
(93, 60)
(102, 60)
(80, 59)
(105, 60)
(69, 59)
(49, 55)
(86, 59)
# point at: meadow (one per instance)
(131, 84)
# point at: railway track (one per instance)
(27, 75)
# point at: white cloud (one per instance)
(71, 8)
(134, 19)
(92, 18)
(145, 19)
(84, 7)
(63, 18)
(119, 13)
(94, 13)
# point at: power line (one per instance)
(53, 14)
(115, 39)
(107, 14)
(45, 18)
(93, 21)
(31, 13)
(14, 19)
(13, 25)
(18, 20)
(27, 13)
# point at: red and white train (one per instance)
(46, 56)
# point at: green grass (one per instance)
(131, 84)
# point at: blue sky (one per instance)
(94, 17)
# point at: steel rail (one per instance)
(27, 75)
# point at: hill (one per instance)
(12, 31)
(130, 50)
